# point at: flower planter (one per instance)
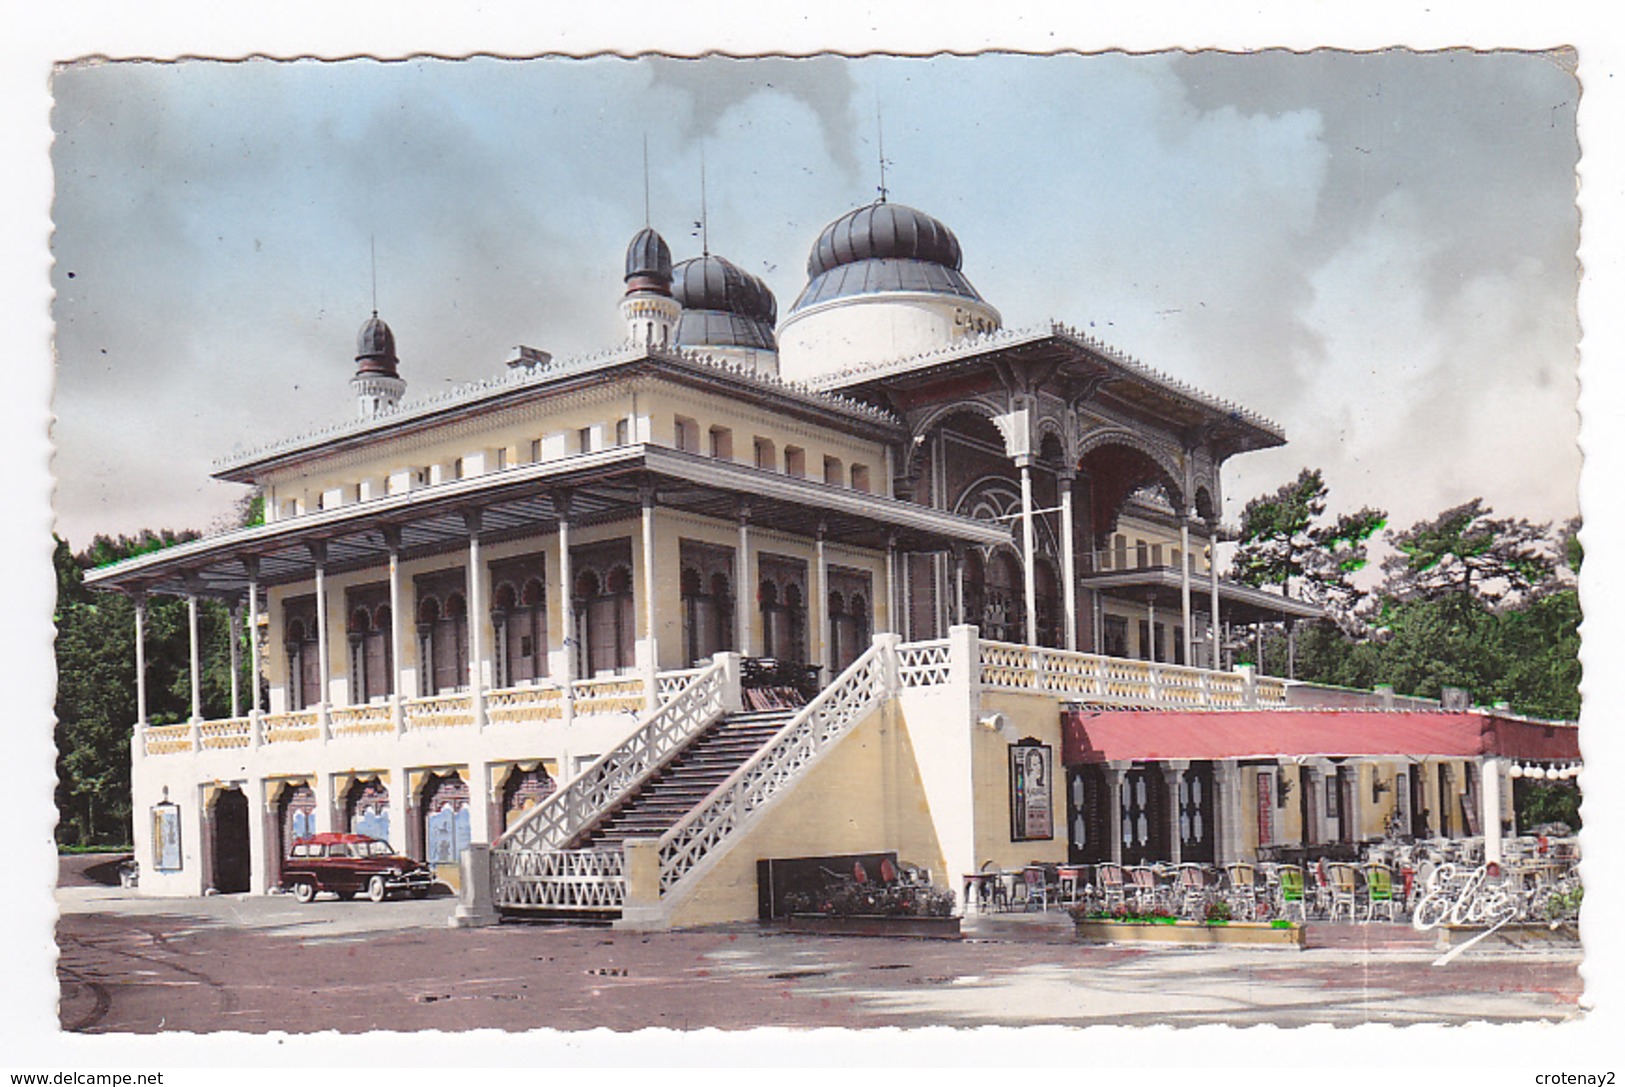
(936, 928)
(1190, 933)
(1533, 935)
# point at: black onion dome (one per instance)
(881, 248)
(723, 305)
(375, 348)
(648, 261)
(884, 232)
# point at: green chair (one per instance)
(1379, 891)
(1291, 890)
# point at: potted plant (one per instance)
(849, 908)
(1124, 925)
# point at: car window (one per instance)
(338, 849)
(301, 850)
(380, 849)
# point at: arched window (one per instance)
(707, 592)
(444, 814)
(1048, 596)
(849, 619)
(1003, 618)
(366, 809)
(523, 790)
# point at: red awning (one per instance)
(1111, 735)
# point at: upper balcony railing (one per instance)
(509, 706)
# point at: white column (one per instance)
(1213, 590)
(1489, 798)
(478, 616)
(1227, 784)
(744, 593)
(236, 657)
(252, 567)
(652, 646)
(959, 586)
(480, 801)
(821, 580)
(140, 600)
(1069, 568)
(318, 554)
(1150, 628)
(1185, 586)
(261, 874)
(566, 597)
(191, 628)
(397, 629)
(1116, 773)
(1029, 552)
(891, 584)
(399, 804)
(1173, 771)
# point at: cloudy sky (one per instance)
(1375, 250)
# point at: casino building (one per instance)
(881, 576)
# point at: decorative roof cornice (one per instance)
(542, 374)
(979, 343)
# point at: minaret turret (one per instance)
(649, 310)
(377, 383)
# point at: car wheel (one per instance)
(304, 891)
(420, 892)
(376, 889)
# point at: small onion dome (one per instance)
(375, 348)
(883, 248)
(723, 306)
(648, 263)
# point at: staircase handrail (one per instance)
(623, 768)
(828, 717)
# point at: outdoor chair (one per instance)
(1243, 893)
(1379, 891)
(1109, 884)
(1195, 891)
(1033, 888)
(1142, 880)
(1342, 886)
(1291, 891)
(1321, 898)
(993, 888)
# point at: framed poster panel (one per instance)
(166, 837)
(1031, 785)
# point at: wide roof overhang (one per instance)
(1089, 736)
(590, 488)
(1160, 586)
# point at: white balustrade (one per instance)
(612, 694)
(224, 734)
(618, 772)
(368, 720)
(923, 664)
(668, 685)
(824, 720)
(563, 878)
(296, 726)
(522, 705)
(166, 739)
(439, 711)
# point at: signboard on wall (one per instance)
(1031, 787)
(1266, 809)
(166, 837)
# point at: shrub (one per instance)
(848, 899)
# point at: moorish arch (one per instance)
(980, 421)
(1118, 464)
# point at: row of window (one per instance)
(718, 443)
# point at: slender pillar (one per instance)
(318, 553)
(1173, 773)
(744, 594)
(1029, 552)
(652, 646)
(251, 567)
(140, 601)
(1213, 590)
(236, 657)
(959, 586)
(197, 671)
(891, 584)
(1069, 569)
(1291, 649)
(905, 608)
(1116, 775)
(1489, 796)
(821, 606)
(478, 616)
(397, 626)
(566, 597)
(1150, 628)
(1185, 586)
(1227, 802)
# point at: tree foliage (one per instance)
(1286, 542)
(96, 689)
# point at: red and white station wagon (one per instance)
(351, 865)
